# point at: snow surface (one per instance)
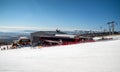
(103, 56)
(115, 37)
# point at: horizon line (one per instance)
(22, 28)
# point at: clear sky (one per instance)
(62, 14)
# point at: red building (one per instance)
(51, 38)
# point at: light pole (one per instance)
(112, 27)
(109, 25)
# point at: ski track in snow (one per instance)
(103, 56)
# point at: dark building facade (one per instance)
(36, 35)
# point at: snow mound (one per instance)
(86, 57)
(114, 37)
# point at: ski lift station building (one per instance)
(35, 37)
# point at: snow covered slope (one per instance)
(87, 57)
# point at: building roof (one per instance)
(24, 37)
(48, 32)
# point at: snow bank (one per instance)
(5, 47)
(115, 37)
(86, 57)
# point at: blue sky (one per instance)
(62, 14)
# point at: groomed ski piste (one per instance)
(101, 56)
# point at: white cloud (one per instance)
(24, 28)
(18, 28)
